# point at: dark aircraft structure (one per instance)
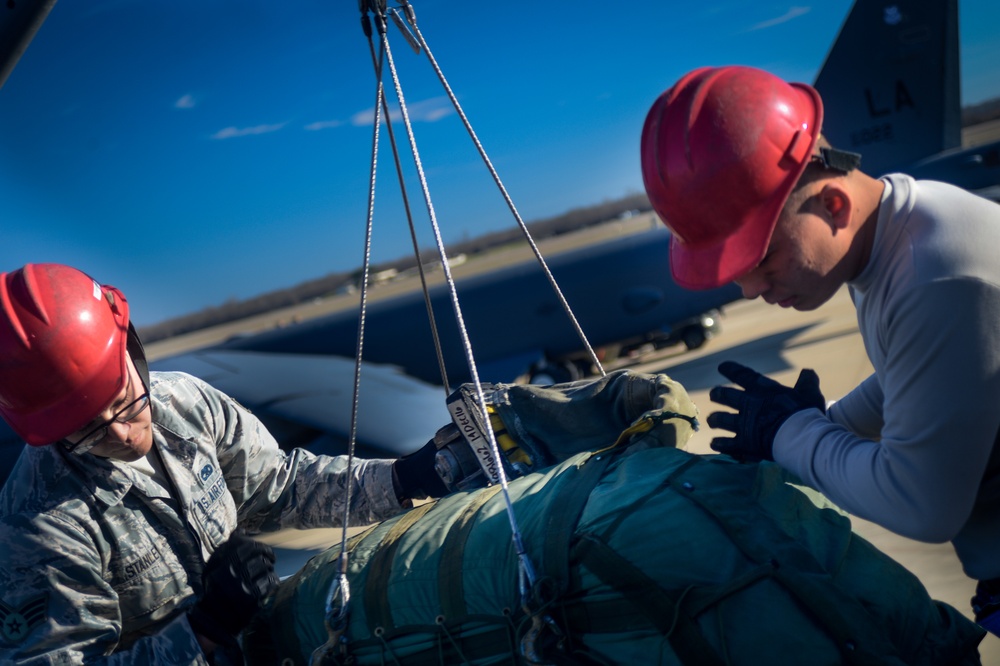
(892, 92)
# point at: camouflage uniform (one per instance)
(97, 559)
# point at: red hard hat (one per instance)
(62, 350)
(721, 151)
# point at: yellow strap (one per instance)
(504, 440)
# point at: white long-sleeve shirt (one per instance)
(913, 447)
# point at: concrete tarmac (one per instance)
(779, 343)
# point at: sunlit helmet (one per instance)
(63, 340)
(721, 151)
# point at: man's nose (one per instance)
(119, 431)
(753, 284)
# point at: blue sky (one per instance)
(194, 152)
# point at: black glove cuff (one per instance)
(414, 476)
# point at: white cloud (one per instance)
(185, 102)
(323, 124)
(232, 132)
(427, 111)
(792, 13)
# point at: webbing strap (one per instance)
(565, 515)
(451, 586)
(612, 616)
(446, 644)
(762, 540)
(377, 608)
(660, 607)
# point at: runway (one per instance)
(778, 342)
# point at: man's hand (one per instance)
(459, 456)
(237, 578)
(986, 605)
(414, 475)
(761, 407)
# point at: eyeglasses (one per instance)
(127, 413)
(838, 160)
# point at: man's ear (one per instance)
(837, 205)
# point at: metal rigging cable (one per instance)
(527, 577)
(338, 597)
(366, 26)
(412, 21)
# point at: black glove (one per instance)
(986, 605)
(237, 578)
(762, 406)
(414, 476)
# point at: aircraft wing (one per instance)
(305, 400)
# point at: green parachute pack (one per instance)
(643, 554)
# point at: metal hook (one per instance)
(337, 611)
(377, 7)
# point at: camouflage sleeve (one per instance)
(275, 489)
(58, 609)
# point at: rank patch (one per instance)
(17, 623)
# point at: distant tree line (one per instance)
(233, 310)
(980, 113)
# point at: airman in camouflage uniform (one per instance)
(103, 550)
(100, 558)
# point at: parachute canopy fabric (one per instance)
(645, 554)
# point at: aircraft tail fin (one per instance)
(890, 83)
(18, 24)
